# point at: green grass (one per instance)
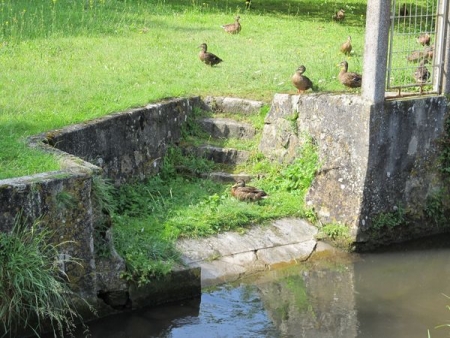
(150, 217)
(65, 62)
(33, 289)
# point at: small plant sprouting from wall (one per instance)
(34, 291)
(65, 200)
(337, 234)
(104, 207)
(435, 208)
(390, 219)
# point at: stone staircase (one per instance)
(229, 256)
(219, 128)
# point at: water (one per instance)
(398, 293)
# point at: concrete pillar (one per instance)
(444, 27)
(376, 50)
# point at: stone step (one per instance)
(231, 255)
(227, 128)
(219, 155)
(223, 177)
(232, 105)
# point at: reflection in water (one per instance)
(396, 293)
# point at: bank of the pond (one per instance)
(396, 292)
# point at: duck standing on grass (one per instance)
(349, 79)
(207, 57)
(424, 39)
(233, 28)
(247, 193)
(403, 11)
(426, 54)
(301, 82)
(346, 47)
(339, 15)
(422, 74)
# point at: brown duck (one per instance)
(424, 39)
(339, 15)
(300, 81)
(421, 75)
(403, 11)
(349, 79)
(207, 57)
(418, 55)
(247, 193)
(233, 28)
(346, 47)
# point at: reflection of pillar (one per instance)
(315, 303)
(375, 50)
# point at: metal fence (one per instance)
(416, 46)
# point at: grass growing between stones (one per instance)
(150, 217)
(65, 62)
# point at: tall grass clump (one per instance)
(34, 292)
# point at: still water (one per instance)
(395, 293)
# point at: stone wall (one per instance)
(122, 147)
(374, 159)
(128, 145)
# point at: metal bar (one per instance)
(423, 17)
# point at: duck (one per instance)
(207, 57)
(243, 192)
(349, 79)
(346, 47)
(339, 15)
(403, 11)
(421, 75)
(233, 28)
(418, 55)
(300, 81)
(424, 39)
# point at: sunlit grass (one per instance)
(149, 217)
(65, 62)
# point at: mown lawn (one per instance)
(65, 61)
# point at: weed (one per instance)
(337, 234)
(335, 231)
(390, 219)
(103, 194)
(65, 200)
(34, 291)
(435, 208)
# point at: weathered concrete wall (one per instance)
(122, 147)
(339, 126)
(374, 159)
(62, 202)
(403, 170)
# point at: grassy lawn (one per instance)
(65, 61)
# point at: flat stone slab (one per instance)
(219, 154)
(233, 105)
(229, 256)
(219, 127)
(223, 177)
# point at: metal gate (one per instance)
(416, 46)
